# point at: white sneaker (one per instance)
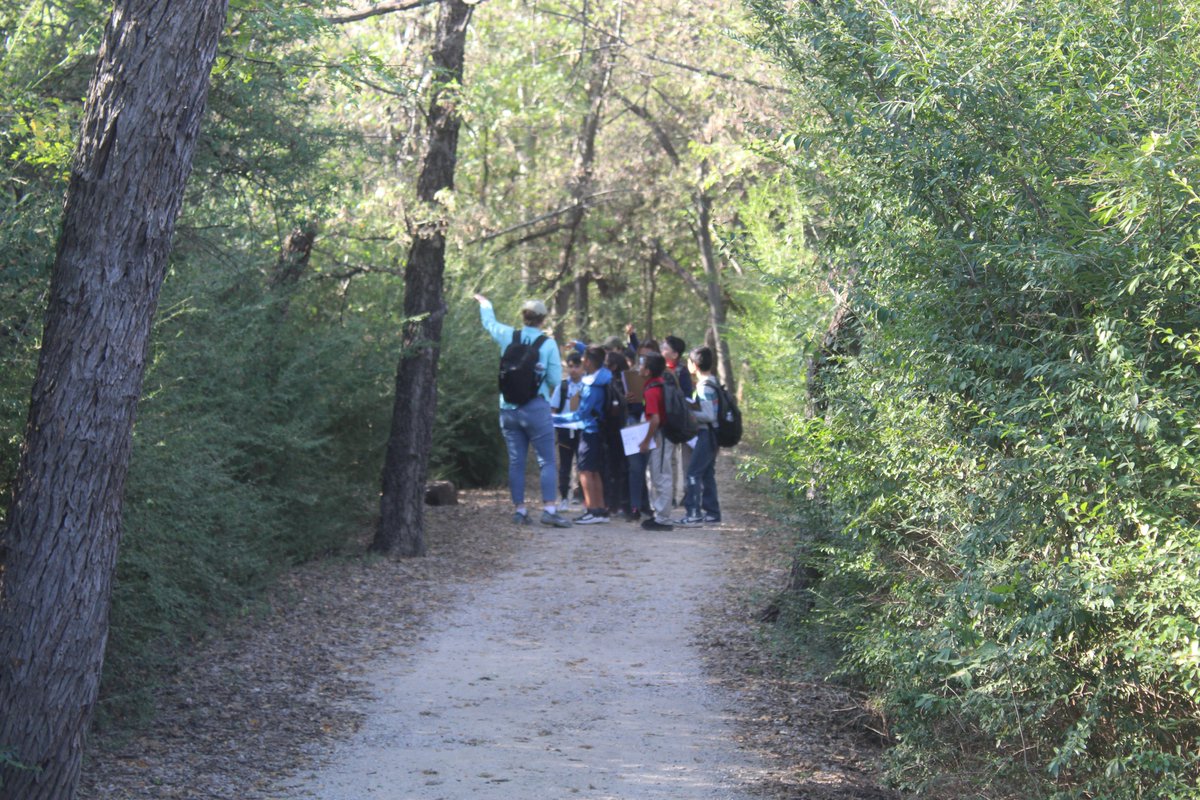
(591, 519)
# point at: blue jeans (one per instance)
(529, 425)
(700, 496)
(637, 481)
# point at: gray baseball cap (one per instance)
(536, 306)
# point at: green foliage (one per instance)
(258, 445)
(45, 64)
(1009, 465)
(468, 448)
(268, 395)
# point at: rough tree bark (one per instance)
(294, 255)
(401, 529)
(716, 300)
(58, 549)
(842, 339)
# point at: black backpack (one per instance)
(616, 411)
(729, 418)
(520, 378)
(678, 423)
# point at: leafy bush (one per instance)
(258, 445)
(467, 446)
(1009, 462)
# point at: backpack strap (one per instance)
(537, 349)
(562, 397)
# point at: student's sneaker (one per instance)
(591, 519)
(652, 524)
(565, 503)
(554, 520)
(689, 522)
(520, 518)
(712, 519)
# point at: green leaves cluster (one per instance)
(266, 402)
(1008, 467)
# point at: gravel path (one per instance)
(572, 674)
(595, 662)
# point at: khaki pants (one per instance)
(662, 469)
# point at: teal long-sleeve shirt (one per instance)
(548, 358)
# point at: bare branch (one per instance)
(712, 73)
(354, 272)
(662, 258)
(378, 10)
(660, 134)
(530, 237)
(583, 201)
(725, 76)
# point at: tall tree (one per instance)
(402, 525)
(712, 287)
(570, 267)
(59, 546)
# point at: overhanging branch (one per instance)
(583, 201)
(643, 113)
(665, 259)
(378, 10)
(725, 76)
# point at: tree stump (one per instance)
(440, 493)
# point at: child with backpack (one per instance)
(700, 500)
(591, 444)
(639, 494)
(674, 351)
(658, 457)
(566, 398)
(616, 417)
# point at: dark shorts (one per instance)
(591, 452)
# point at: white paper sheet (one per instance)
(632, 437)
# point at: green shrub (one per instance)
(1008, 466)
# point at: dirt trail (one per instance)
(594, 662)
(572, 674)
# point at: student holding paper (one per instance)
(590, 456)
(566, 398)
(659, 458)
(636, 382)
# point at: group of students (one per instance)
(593, 408)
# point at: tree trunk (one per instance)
(650, 288)
(562, 306)
(402, 511)
(294, 255)
(59, 547)
(569, 267)
(716, 300)
(843, 337)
